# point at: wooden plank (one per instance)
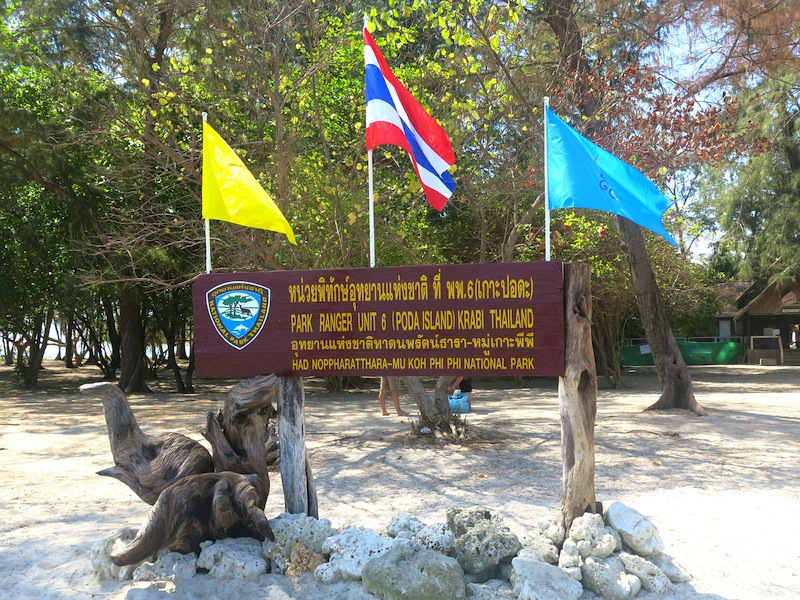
(484, 319)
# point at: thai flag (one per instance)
(395, 117)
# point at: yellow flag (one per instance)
(231, 193)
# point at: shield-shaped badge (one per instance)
(238, 310)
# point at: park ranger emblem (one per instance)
(238, 310)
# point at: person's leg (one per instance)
(394, 387)
(396, 401)
(466, 388)
(382, 395)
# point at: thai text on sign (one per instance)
(485, 319)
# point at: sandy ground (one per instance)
(724, 490)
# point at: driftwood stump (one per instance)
(210, 506)
(239, 434)
(195, 496)
(148, 464)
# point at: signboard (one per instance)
(484, 319)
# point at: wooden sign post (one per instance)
(503, 319)
(577, 396)
(299, 492)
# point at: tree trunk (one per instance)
(607, 342)
(190, 371)
(676, 383)
(8, 351)
(577, 395)
(38, 346)
(69, 344)
(180, 348)
(510, 244)
(133, 369)
(168, 323)
(176, 370)
(434, 412)
(95, 350)
(114, 337)
(57, 340)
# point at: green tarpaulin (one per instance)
(694, 353)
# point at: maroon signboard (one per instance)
(484, 319)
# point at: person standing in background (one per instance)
(392, 385)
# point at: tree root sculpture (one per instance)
(209, 506)
(239, 434)
(147, 464)
(195, 497)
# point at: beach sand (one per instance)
(723, 490)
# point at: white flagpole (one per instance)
(371, 191)
(371, 213)
(208, 247)
(546, 193)
(208, 226)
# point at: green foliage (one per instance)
(36, 271)
(758, 199)
(687, 292)
(22, 374)
(100, 144)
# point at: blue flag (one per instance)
(580, 174)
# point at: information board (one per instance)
(475, 319)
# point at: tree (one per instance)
(283, 84)
(36, 272)
(38, 208)
(596, 79)
(589, 238)
(750, 51)
(759, 199)
(727, 40)
(475, 68)
(74, 48)
(585, 69)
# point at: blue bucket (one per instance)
(458, 403)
